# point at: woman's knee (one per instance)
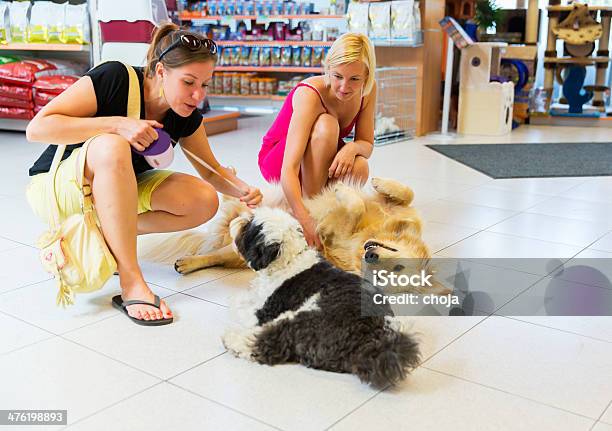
(107, 152)
(361, 170)
(201, 200)
(325, 131)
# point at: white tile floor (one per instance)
(479, 373)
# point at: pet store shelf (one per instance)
(577, 60)
(13, 124)
(569, 8)
(397, 43)
(268, 69)
(273, 43)
(43, 47)
(188, 16)
(250, 96)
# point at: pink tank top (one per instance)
(274, 141)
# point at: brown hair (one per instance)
(164, 36)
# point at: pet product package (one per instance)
(76, 28)
(402, 19)
(265, 56)
(254, 57)
(55, 21)
(380, 20)
(357, 16)
(296, 55)
(18, 17)
(307, 56)
(16, 92)
(317, 56)
(244, 56)
(16, 103)
(226, 57)
(54, 84)
(4, 30)
(23, 72)
(276, 56)
(38, 27)
(16, 113)
(286, 56)
(236, 55)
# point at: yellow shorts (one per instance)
(39, 190)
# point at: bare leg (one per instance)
(319, 154)
(109, 170)
(181, 202)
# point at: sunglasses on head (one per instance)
(192, 43)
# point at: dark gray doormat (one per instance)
(533, 160)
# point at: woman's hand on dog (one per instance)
(343, 162)
(139, 133)
(309, 225)
(252, 197)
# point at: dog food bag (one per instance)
(265, 56)
(4, 22)
(357, 17)
(245, 84)
(244, 55)
(307, 56)
(18, 17)
(16, 92)
(286, 56)
(38, 27)
(41, 98)
(236, 55)
(402, 20)
(262, 86)
(16, 113)
(276, 56)
(8, 59)
(317, 56)
(54, 84)
(16, 103)
(217, 87)
(226, 56)
(76, 29)
(254, 57)
(56, 20)
(23, 72)
(380, 20)
(296, 55)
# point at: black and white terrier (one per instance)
(300, 308)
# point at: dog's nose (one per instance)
(371, 256)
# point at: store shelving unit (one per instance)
(274, 69)
(44, 47)
(274, 43)
(189, 16)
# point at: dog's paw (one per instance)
(188, 264)
(393, 190)
(239, 343)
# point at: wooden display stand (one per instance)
(553, 61)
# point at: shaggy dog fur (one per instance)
(354, 225)
(300, 308)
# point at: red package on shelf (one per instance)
(16, 113)
(16, 92)
(23, 72)
(41, 98)
(37, 109)
(16, 103)
(54, 84)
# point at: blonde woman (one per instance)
(304, 148)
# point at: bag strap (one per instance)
(133, 111)
(55, 213)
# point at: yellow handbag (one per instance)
(74, 250)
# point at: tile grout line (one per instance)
(598, 420)
(225, 406)
(355, 409)
(508, 393)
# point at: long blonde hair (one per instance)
(348, 48)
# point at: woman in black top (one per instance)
(130, 198)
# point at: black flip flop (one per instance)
(122, 305)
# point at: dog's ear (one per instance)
(251, 244)
(262, 255)
(400, 226)
(238, 223)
